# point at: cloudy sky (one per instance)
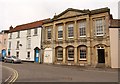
(17, 12)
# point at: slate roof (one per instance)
(28, 25)
(114, 23)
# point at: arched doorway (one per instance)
(101, 54)
(36, 54)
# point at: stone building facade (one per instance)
(78, 37)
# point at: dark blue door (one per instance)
(36, 55)
(3, 53)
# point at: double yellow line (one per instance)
(13, 77)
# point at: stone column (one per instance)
(75, 30)
(64, 32)
(64, 55)
(88, 55)
(75, 55)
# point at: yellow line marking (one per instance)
(15, 75)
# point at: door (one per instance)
(3, 53)
(36, 55)
(101, 56)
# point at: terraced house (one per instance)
(24, 41)
(78, 37)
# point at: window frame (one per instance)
(49, 32)
(29, 33)
(36, 31)
(18, 34)
(69, 30)
(69, 51)
(18, 43)
(99, 25)
(82, 26)
(61, 57)
(81, 49)
(60, 29)
(28, 43)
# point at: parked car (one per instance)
(12, 59)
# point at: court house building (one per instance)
(78, 37)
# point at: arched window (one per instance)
(83, 51)
(70, 53)
(60, 53)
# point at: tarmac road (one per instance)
(32, 72)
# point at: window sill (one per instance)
(70, 59)
(82, 36)
(35, 35)
(59, 58)
(70, 37)
(82, 59)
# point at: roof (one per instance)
(114, 23)
(28, 25)
(85, 11)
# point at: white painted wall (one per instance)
(35, 42)
(48, 55)
(114, 47)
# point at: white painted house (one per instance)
(115, 42)
(24, 41)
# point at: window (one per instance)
(28, 54)
(17, 54)
(83, 53)
(18, 34)
(4, 41)
(70, 30)
(59, 53)
(10, 45)
(35, 31)
(10, 35)
(70, 53)
(18, 43)
(82, 28)
(49, 33)
(60, 32)
(29, 32)
(28, 43)
(99, 27)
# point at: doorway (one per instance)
(101, 56)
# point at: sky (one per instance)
(17, 12)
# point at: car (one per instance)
(12, 59)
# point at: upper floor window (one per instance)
(28, 43)
(29, 32)
(60, 32)
(9, 44)
(4, 41)
(10, 35)
(18, 43)
(18, 34)
(35, 31)
(99, 27)
(70, 30)
(82, 28)
(49, 33)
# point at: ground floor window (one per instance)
(83, 50)
(70, 53)
(17, 54)
(28, 55)
(59, 53)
